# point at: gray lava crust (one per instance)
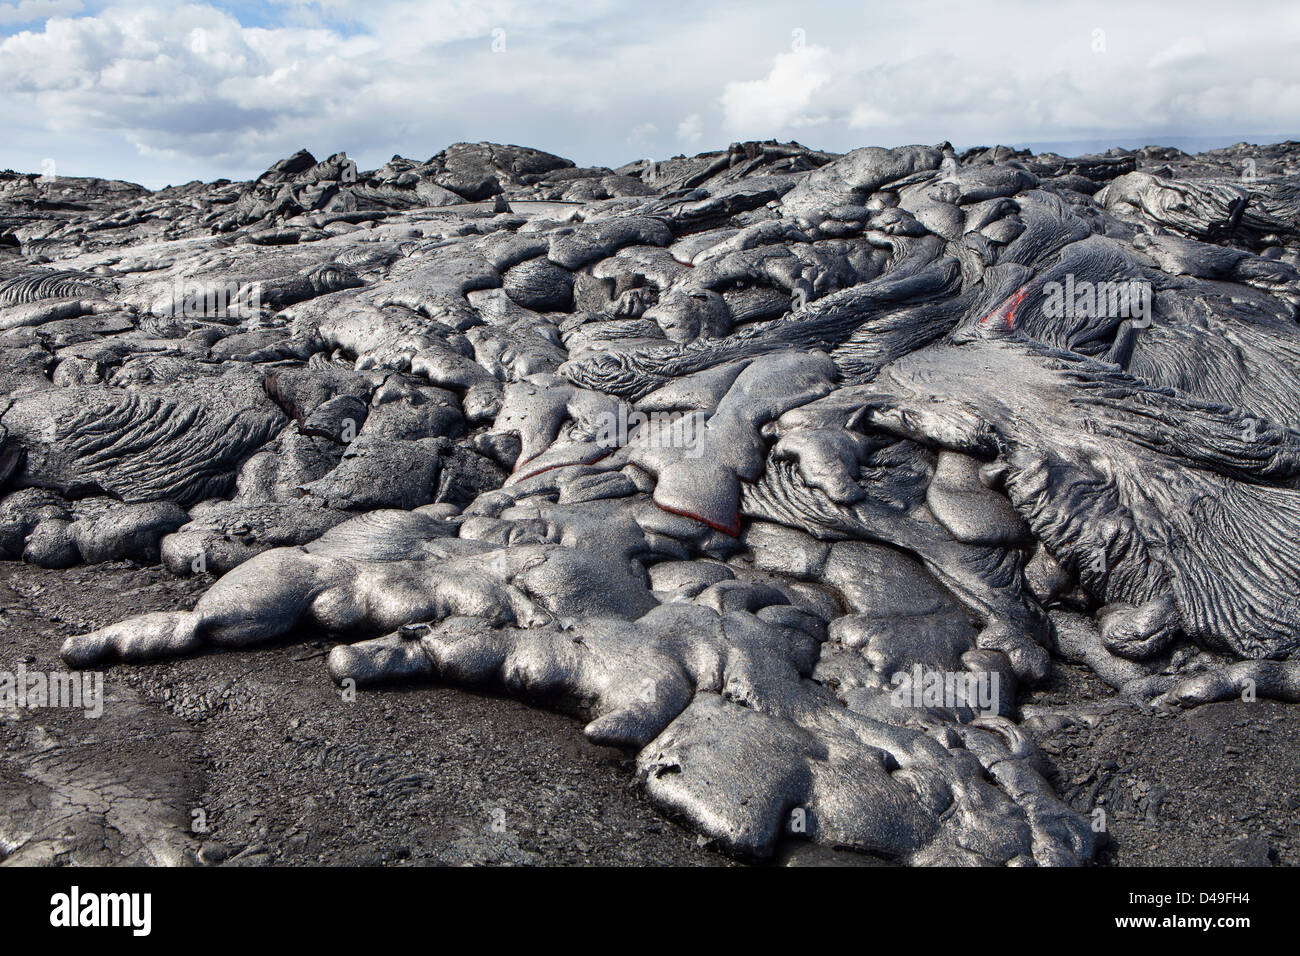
(803, 480)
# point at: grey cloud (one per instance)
(614, 81)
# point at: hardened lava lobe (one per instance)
(783, 470)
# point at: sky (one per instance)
(162, 93)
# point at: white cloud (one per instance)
(162, 92)
(1013, 72)
(780, 100)
(27, 11)
(691, 129)
(1182, 50)
(641, 135)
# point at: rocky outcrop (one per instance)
(782, 471)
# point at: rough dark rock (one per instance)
(800, 479)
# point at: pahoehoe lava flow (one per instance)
(786, 472)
